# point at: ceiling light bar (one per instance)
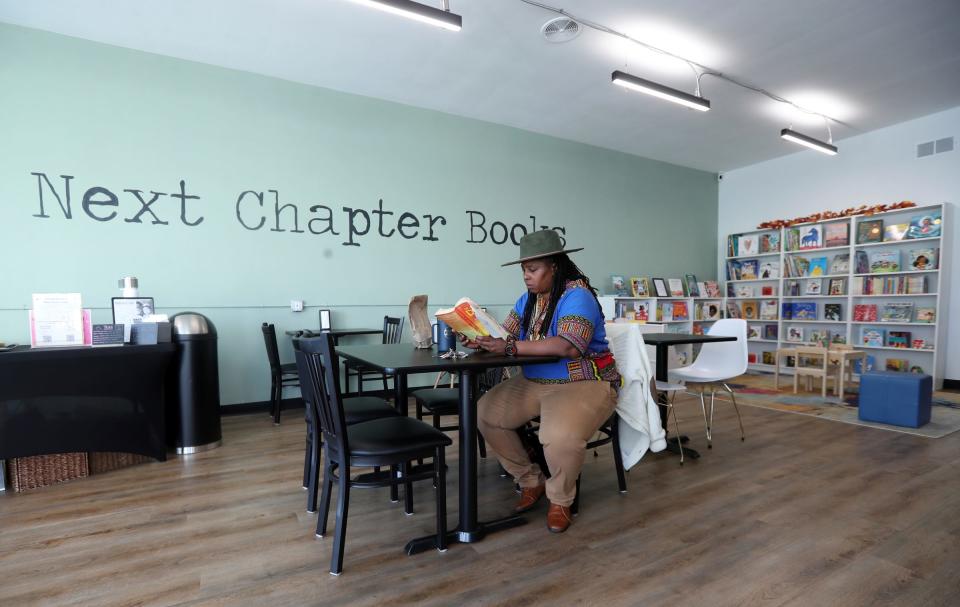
(658, 90)
(810, 142)
(418, 12)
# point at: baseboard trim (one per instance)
(951, 384)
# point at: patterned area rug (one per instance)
(757, 391)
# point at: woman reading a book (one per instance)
(558, 315)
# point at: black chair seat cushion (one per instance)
(441, 401)
(393, 436)
(365, 408)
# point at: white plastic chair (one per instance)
(716, 364)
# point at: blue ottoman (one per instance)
(901, 399)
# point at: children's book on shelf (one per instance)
(799, 266)
(896, 312)
(895, 232)
(819, 337)
(923, 259)
(749, 244)
(916, 284)
(770, 332)
(813, 287)
(795, 334)
(861, 263)
(664, 312)
(753, 332)
(746, 291)
(836, 234)
(641, 311)
(838, 338)
(702, 289)
(680, 311)
(676, 287)
(925, 226)
(840, 264)
(733, 310)
(749, 269)
(770, 269)
(837, 286)
(697, 329)
(862, 365)
(751, 358)
(710, 310)
(693, 287)
(898, 364)
(734, 269)
(793, 239)
(639, 287)
(927, 315)
(619, 285)
(833, 311)
(884, 261)
(770, 243)
(750, 311)
(767, 290)
(712, 288)
(918, 344)
(865, 313)
(768, 357)
(792, 288)
(768, 309)
(898, 339)
(810, 237)
(804, 310)
(871, 336)
(818, 266)
(869, 230)
(660, 287)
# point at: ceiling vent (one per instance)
(561, 29)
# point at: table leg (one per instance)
(400, 402)
(673, 444)
(469, 529)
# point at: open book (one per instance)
(467, 318)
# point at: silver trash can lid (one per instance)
(191, 323)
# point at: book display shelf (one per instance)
(878, 283)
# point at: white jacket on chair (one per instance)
(640, 427)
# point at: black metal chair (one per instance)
(610, 433)
(389, 441)
(392, 331)
(282, 375)
(440, 402)
(356, 410)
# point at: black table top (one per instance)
(404, 358)
(335, 332)
(679, 339)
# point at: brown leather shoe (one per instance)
(529, 496)
(558, 518)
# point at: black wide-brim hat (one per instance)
(540, 244)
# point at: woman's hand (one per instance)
(467, 342)
(492, 344)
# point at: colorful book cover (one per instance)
(837, 286)
(768, 309)
(927, 315)
(870, 230)
(898, 364)
(713, 289)
(751, 358)
(897, 312)
(805, 310)
(872, 337)
(813, 287)
(861, 366)
(793, 239)
(865, 313)
(619, 285)
(898, 339)
(749, 269)
(833, 311)
(770, 243)
(862, 263)
(916, 284)
(733, 310)
(639, 287)
(840, 264)
(818, 266)
(753, 332)
(786, 311)
(810, 237)
(923, 259)
(768, 357)
(795, 334)
(819, 337)
(925, 226)
(894, 232)
(749, 244)
(838, 338)
(697, 329)
(745, 291)
(470, 319)
(750, 310)
(770, 332)
(676, 287)
(693, 287)
(884, 261)
(770, 269)
(836, 234)
(680, 311)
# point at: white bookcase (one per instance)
(852, 287)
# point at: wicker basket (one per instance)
(105, 462)
(43, 470)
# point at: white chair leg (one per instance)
(743, 435)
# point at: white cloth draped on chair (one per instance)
(640, 427)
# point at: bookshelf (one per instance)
(829, 282)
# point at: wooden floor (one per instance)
(806, 512)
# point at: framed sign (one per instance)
(325, 320)
(129, 310)
(660, 287)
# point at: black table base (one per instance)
(483, 528)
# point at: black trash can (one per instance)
(193, 386)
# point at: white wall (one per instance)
(876, 167)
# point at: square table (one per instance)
(662, 342)
(337, 333)
(402, 360)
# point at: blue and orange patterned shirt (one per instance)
(577, 319)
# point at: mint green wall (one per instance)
(124, 120)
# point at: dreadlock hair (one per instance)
(565, 271)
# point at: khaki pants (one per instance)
(570, 415)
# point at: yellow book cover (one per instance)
(467, 318)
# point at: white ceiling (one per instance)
(870, 63)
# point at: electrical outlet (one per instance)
(296, 305)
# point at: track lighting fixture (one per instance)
(814, 144)
(648, 87)
(418, 12)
